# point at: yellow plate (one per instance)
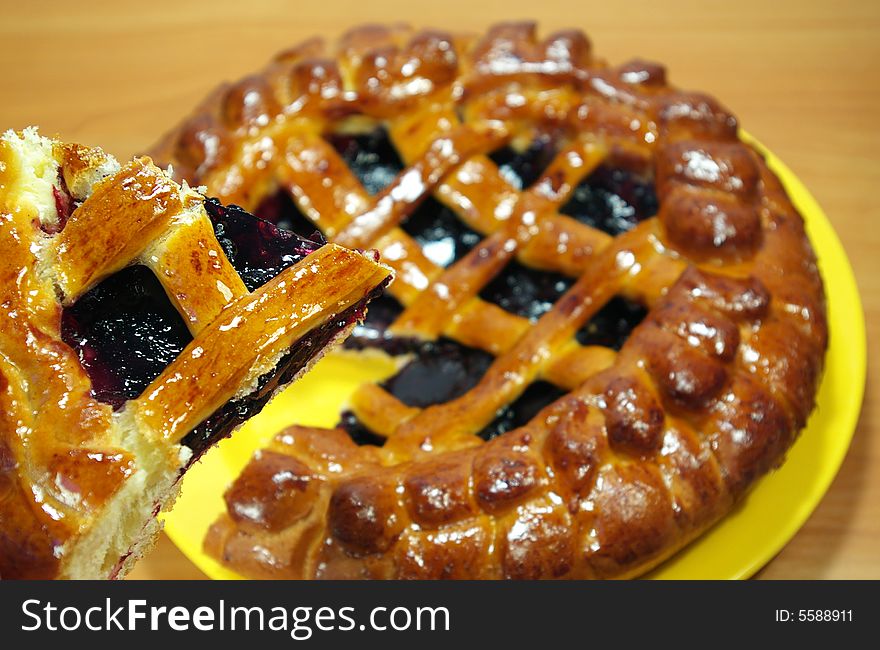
(737, 547)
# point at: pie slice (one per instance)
(141, 323)
(608, 318)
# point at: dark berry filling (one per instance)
(382, 312)
(514, 415)
(64, 206)
(522, 168)
(258, 250)
(531, 294)
(125, 332)
(440, 371)
(443, 370)
(280, 209)
(443, 237)
(612, 325)
(524, 408)
(373, 331)
(357, 431)
(613, 200)
(525, 291)
(371, 157)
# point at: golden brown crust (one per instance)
(64, 456)
(654, 443)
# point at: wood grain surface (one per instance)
(802, 76)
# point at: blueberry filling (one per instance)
(537, 396)
(443, 237)
(258, 250)
(280, 210)
(611, 325)
(525, 291)
(531, 294)
(358, 431)
(370, 156)
(383, 311)
(613, 200)
(125, 332)
(441, 371)
(444, 370)
(522, 168)
(373, 331)
(514, 415)
(64, 205)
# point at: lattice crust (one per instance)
(652, 444)
(76, 478)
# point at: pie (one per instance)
(141, 323)
(608, 318)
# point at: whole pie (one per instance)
(140, 323)
(607, 317)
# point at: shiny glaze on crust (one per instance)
(57, 454)
(655, 442)
(63, 454)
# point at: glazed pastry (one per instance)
(140, 324)
(609, 319)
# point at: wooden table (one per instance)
(803, 76)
